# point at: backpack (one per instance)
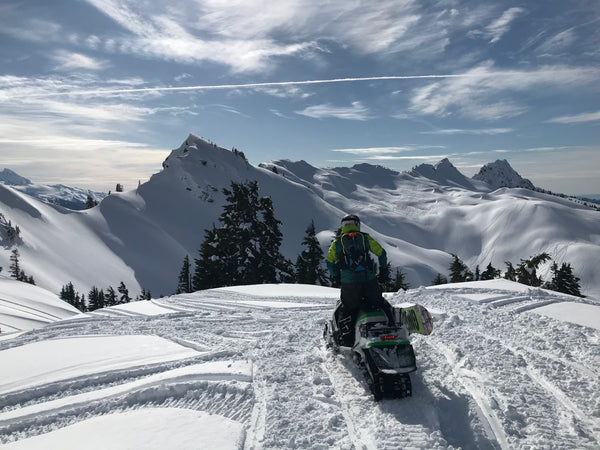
(355, 251)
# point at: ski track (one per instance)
(485, 381)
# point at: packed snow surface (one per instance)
(506, 367)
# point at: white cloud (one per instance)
(482, 131)
(495, 30)
(252, 35)
(355, 112)
(67, 61)
(34, 30)
(486, 93)
(89, 162)
(577, 118)
(558, 43)
(374, 150)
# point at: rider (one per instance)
(348, 259)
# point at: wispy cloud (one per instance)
(246, 35)
(34, 30)
(67, 61)
(499, 26)
(577, 118)
(276, 88)
(374, 150)
(355, 112)
(482, 131)
(490, 94)
(557, 43)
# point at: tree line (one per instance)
(99, 298)
(526, 272)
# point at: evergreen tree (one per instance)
(400, 282)
(309, 265)
(266, 263)
(110, 298)
(245, 248)
(477, 273)
(439, 279)
(67, 293)
(184, 284)
(144, 295)
(90, 202)
(384, 277)
(563, 280)
(527, 270)
(124, 293)
(490, 273)
(210, 266)
(459, 272)
(95, 299)
(15, 268)
(511, 273)
(81, 306)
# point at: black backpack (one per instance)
(355, 251)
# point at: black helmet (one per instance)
(350, 219)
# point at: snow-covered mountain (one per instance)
(56, 194)
(500, 174)
(506, 367)
(445, 174)
(141, 236)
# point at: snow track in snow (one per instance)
(490, 376)
(531, 376)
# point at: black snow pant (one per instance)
(353, 296)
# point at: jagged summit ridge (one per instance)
(444, 173)
(500, 174)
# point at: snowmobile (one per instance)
(381, 348)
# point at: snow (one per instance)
(24, 306)
(143, 307)
(147, 428)
(581, 314)
(245, 367)
(140, 237)
(72, 357)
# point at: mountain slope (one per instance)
(57, 194)
(506, 367)
(141, 236)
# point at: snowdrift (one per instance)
(25, 307)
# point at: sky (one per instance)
(98, 92)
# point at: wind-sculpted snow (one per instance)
(248, 367)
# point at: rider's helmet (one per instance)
(351, 219)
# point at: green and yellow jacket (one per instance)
(340, 265)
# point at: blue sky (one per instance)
(95, 92)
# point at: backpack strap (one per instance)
(354, 250)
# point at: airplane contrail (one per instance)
(249, 85)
